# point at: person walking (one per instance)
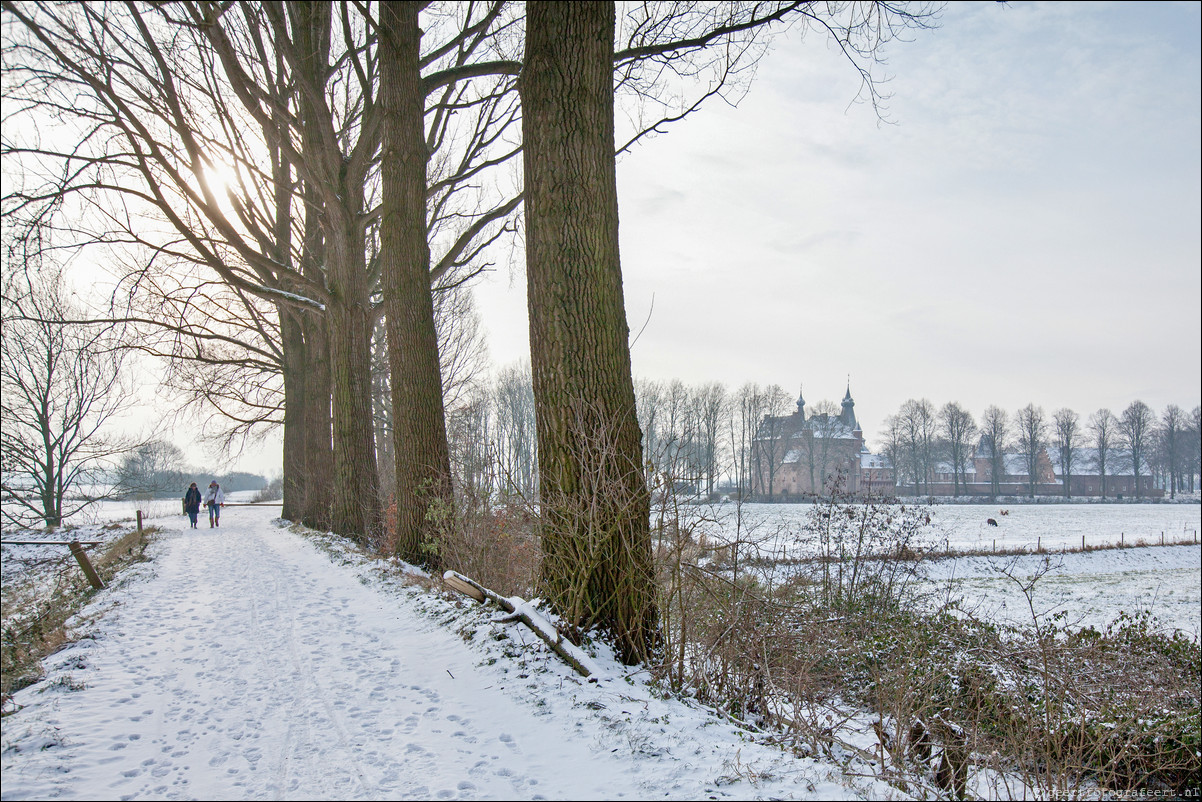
(214, 499)
(192, 503)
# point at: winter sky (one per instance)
(1023, 227)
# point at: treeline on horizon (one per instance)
(158, 469)
(708, 437)
(1136, 441)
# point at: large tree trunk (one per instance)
(354, 503)
(307, 451)
(292, 349)
(318, 446)
(422, 461)
(312, 35)
(597, 565)
(355, 507)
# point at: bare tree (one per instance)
(517, 444)
(158, 121)
(1032, 441)
(711, 406)
(1172, 437)
(679, 456)
(676, 56)
(61, 387)
(1068, 432)
(893, 447)
(471, 450)
(1103, 427)
(771, 443)
(958, 429)
(1135, 427)
(152, 470)
(995, 435)
(285, 96)
(747, 410)
(1194, 460)
(649, 401)
(914, 427)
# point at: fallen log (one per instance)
(523, 611)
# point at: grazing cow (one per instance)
(991, 522)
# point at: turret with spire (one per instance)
(801, 403)
(848, 416)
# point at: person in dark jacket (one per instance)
(192, 503)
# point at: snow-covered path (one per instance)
(245, 663)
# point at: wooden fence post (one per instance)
(81, 557)
(139, 522)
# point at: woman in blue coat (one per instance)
(192, 503)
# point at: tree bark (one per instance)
(318, 424)
(292, 368)
(337, 201)
(355, 508)
(422, 461)
(597, 565)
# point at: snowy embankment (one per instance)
(251, 662)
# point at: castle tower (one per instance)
(801, 403)
(848, 416)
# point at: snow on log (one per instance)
(525, 612)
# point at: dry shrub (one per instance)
(1042, 709)
(494, 544)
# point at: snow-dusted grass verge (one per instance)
(774, 684)
(45, 592)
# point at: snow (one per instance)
(1091, 588)
(779, 528)
(257, 662)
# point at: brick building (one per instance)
(800, 455)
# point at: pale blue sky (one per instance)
(1025, 229)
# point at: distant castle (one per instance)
(799, 456)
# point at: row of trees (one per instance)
(159, 469)
(922, 442)
(706, 438)
(281, 181)
(698, 438)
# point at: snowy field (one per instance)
(966, 527)
(1090, 588)
(251, 662)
